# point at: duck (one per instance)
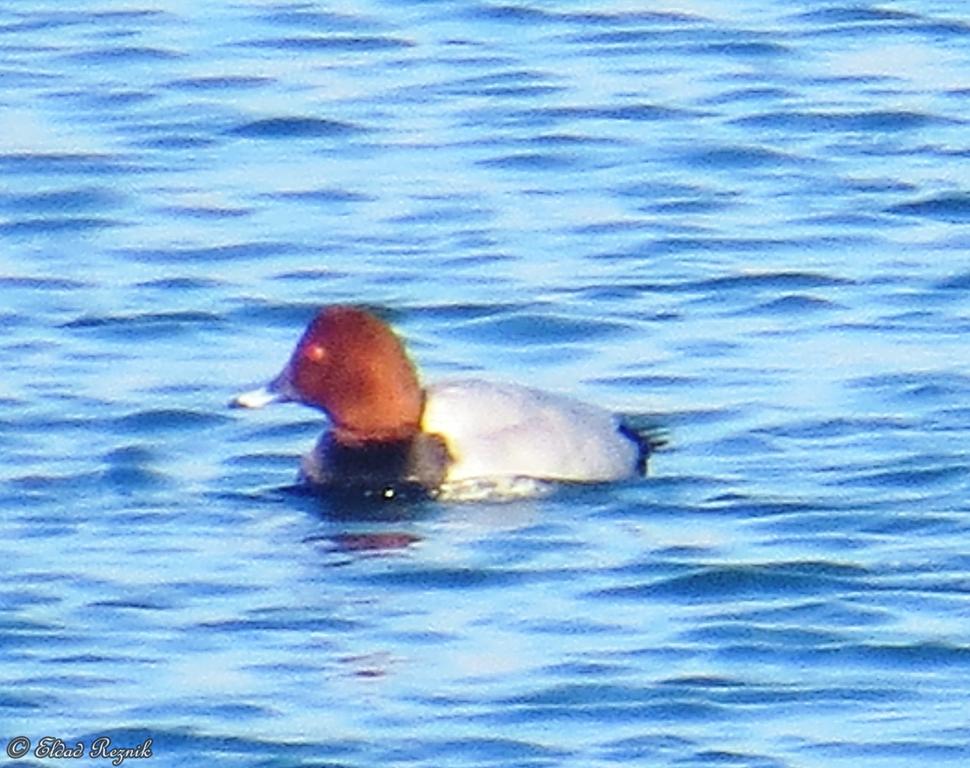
(388, 433)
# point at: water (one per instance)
(746, 220)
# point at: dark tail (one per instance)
(646, 435)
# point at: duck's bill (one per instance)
(257, 398)
(279, 390)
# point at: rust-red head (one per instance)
(350, 364)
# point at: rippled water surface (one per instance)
(747, 221)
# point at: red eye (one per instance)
(314, 353)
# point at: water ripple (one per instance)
(838, 122)
(316, 43)
(950, 207)
(739, 581)
(295, 128)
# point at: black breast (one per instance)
(384, 468)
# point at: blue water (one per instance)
(747, 221)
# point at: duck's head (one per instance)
(350, 364)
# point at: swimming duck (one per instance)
(388, 432)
